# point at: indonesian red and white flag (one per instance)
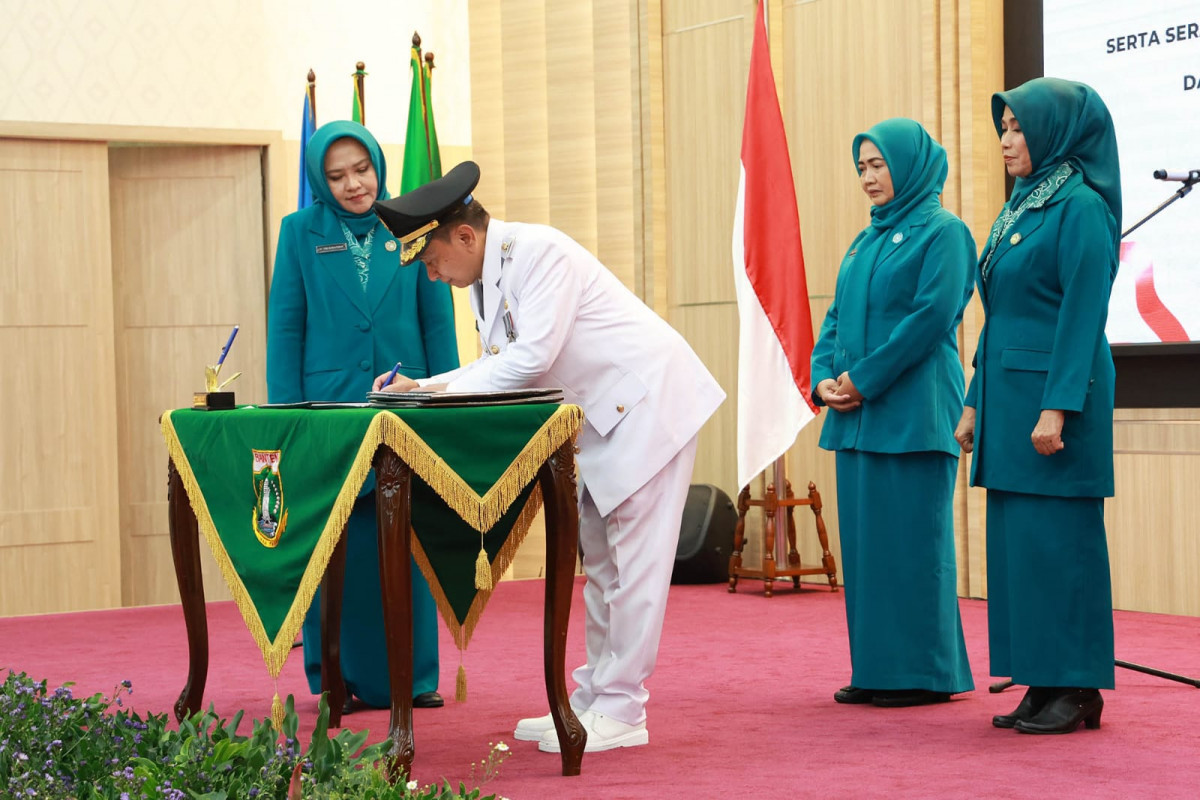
(775, 338)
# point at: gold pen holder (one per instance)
(213, 401)
(212, 398)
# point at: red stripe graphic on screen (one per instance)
(1160, 319)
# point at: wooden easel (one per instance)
(771, 504)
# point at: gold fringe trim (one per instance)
(481, 513)
(460, 685)
(275, 652)
(504, 558)
(277, 712)
(483, 570)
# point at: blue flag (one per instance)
(307, 127)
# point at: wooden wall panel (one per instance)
(187, 243)
(832, 92)
(526, 111)
(705, 99)
(571, 127)
(59, 533)
(706, 327)
(556, 120)
(1153, 545)
(616, 142)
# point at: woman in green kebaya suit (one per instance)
(341, 311)
(886, 363)
(1039, 411)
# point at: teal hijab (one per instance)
(314, 165)
(1064, 122)
(917, 165)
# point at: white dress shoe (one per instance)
(603, 733)
(532, 729)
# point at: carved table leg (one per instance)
(770, 510)
(331, 632)
(559, 493)
(826, 557)
(393, 490)
(793, 556)
(185, 551)
(739, 538)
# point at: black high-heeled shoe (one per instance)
(1064, 711)
(853, 695)
(1033, 701)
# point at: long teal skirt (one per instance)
(1050, 617)
(364, 648)
(896, 523)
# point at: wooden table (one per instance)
(556, 478)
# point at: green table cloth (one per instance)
(272, 489)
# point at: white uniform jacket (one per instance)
(551, 315)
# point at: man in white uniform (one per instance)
(550, 314)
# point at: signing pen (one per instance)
(228, 344)
(390, 377)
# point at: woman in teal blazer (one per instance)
(886, 363)
(341, 311)
(1039, 409)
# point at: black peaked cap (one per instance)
(414, 215)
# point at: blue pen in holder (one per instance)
(212, 398)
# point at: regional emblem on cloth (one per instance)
(270, 516)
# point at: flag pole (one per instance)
(416, 43)
(360, 91)
(312, 95)
(781, 540)
(426, 93)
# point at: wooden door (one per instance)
(188, 264)
(59, 540)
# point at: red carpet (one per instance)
(741, 703)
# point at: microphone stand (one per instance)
(1192, 179)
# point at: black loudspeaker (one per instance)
(705, 536)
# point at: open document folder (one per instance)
(506, 397)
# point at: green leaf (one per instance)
(291, 723)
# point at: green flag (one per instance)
(422, 158)
(358, 111)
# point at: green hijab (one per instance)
(314, 165)
(917, 165)
(1064, 122)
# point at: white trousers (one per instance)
(627, 558)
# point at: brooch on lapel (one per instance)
(390, 245)
(898, 238)
(1015, 239)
